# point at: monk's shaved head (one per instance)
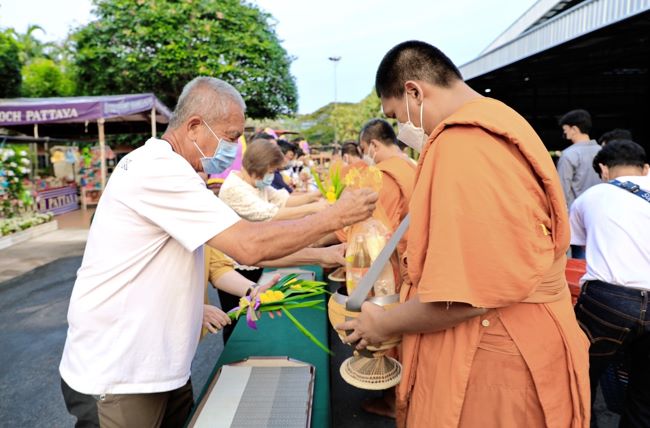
(379, 130)
(413, 60)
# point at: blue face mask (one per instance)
(265, 182)
(223, 157)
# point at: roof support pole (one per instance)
(102, 150)
(34, 148)
(153, 122)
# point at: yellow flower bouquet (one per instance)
(333, 186)
(289, 293)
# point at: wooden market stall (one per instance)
(84, 118)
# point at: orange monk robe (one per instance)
(397, 181)
(489, 228)
(360, 164)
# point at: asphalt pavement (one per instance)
(33, 328)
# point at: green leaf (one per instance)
(306, 332)
(318, 182)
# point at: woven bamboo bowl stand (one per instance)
(371, 368)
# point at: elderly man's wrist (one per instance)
(333, 219)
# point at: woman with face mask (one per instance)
(250, 194)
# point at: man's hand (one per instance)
(333, 256)
(214, 319)
(367, 327)
(354, 206)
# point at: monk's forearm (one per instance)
(414, 316)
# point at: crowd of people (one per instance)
(606, 186)
(489, 335)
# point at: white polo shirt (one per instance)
(614, 225)
(136, 307)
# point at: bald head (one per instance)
(210, 98)
(413, 60)
(351, 148)
(380, 131)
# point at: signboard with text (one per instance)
(58, 200)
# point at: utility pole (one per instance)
(335, 60)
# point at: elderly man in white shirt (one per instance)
(612, 220)
(136, 306)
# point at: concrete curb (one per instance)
(27, 234)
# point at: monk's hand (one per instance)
(366, 328)
(332, 256)
(214, 319)
(354, 206)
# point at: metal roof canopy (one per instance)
(537, 12)
(604, 71)
(574, 22)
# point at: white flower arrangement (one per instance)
(16, 201)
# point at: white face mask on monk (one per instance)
(408, 133)
(368, 158)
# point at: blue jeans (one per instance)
(578, 252)
(616, 320)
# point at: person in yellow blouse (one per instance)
(220, 272)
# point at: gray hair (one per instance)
(208, 97)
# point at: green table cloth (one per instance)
(279, 337)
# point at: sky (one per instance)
(359, 31)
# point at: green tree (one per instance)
(9, 66)
(44, 78)
(347, 118)
(159, 45)
(31, 47)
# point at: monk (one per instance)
(489, 334)
(352, 157)
(378, 143)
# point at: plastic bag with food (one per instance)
(367, 238)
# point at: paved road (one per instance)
(32, 333)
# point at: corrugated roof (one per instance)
(540, 29)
